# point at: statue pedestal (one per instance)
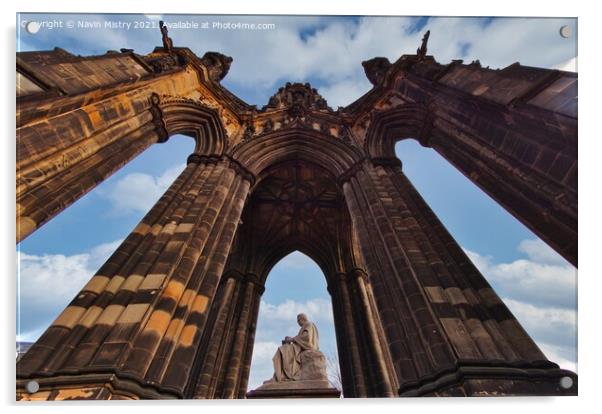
(295, 389)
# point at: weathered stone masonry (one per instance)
(172, 313)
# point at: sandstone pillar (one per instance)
(135, 328)
(62, 160)
(226, 353)
(366, 365)
(440, 316)
(513, 132)
(354, 381)
(544, 202)
(67, 143)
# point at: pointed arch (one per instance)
(270, 149)
(190, 117)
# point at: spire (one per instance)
(167, 42)
(421, 52)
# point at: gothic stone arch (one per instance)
(172, 313)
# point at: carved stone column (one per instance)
(513, 132)
(371, 333)
(134, 330)
(544, 202)
(443, 322)
(366, 364)
(64, 167)
(354, 381)
(223, 365)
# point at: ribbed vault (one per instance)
(297, 205)
(263, 152)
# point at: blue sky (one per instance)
(538, 285)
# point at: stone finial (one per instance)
(167, 42)
(376, 69)
(421, 51)
(217, 64)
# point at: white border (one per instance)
(589, 159)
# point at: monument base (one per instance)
(295, 389)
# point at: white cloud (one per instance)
(264, 351)
(62, 276)
(556, 326)
(315, 309)
(538, 251)
(139, 191)
(543, 279)
(541, 293)
(333, 54)
(554, 353)
(569, 66)
(343, 92)
(261, 364)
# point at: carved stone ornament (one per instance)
(376, 69)
(162, 62)
(268, 126)
(249, 132)
(299, 97)
(217, 64)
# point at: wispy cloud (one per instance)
(315, 309)
(543, 279)
(49, 282)
(541, 291)
(569, 65)
(137, 192)
(550, 325)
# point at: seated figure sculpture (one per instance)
(299, 358)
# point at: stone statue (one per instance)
(299, 368)
(299, 357)
(167, 42)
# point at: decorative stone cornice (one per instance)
(203, 159)
(356, 273)
(242, 170)
(241, 277)
(163, 62)
(386, 162)
(347, 277)
(256, 280)
(158, 121)
(216, 159)
(232, 274)
(350, 173)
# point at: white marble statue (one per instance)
(299, 357)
